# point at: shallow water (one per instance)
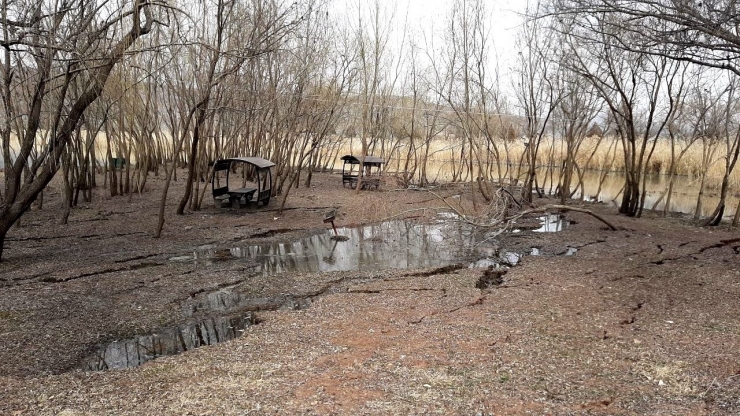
(551, 223)
(167, 341)
(399, 244)
(683, 200)
(389, 245)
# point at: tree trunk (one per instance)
(719, 212)
(193, 156)
(170, 173)
(14, 206)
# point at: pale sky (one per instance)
(429, 17)
(424, 14)
(504, 16)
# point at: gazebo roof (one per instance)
(369, 160)
(259, 162)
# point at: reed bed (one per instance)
(604, 154)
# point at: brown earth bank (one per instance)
(643, 320)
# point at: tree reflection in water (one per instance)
(389, 245)
(168, 341)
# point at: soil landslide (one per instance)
(643, 320)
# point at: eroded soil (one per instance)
(643, 320)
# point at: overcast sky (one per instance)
(504, 16)
(429, 17)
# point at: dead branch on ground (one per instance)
(495, 214)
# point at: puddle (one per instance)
(393, 244)
(180, 259)
(168, 341)
(510, 258)
(551, 223)
(390, 245)
(227, 301)
(227, 325)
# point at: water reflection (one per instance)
(683, 199)
(504, 260)
(168, 341)
(227, 301)
(389, 245)
(392, 244)
(551, 223)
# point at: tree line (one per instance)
(169, 84)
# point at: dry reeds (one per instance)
(608, 155)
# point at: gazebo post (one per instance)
(228, 171)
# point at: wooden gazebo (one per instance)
(246, 180)
(372, 167)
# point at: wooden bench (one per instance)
(370, 183)
(221, 196)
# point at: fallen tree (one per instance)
(496, 215)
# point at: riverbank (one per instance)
(637, 321)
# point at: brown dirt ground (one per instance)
(643, 320)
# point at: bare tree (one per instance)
(637, 88)
(729, 137)
(319, 87)
(51, 47)
(230, 35)
(576, 113)
(467, 89)
(702, 32)
(684, 129)
(697, 32)
(536, 93)
(374, 74)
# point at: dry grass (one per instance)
(607, 156)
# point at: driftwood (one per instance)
(503, 221)
(542, 209)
